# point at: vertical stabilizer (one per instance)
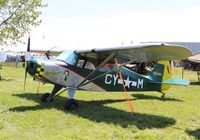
(162, 72)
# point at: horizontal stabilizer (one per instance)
(174, 81)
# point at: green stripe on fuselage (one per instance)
(111, 81)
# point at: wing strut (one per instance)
(101, 65)
(125, 93)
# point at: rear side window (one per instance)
(85, 64)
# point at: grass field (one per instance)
(100, 115)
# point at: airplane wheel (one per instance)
(71, 104)
(45, 97)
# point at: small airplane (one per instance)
(105, 70)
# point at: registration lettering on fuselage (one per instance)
(112, 79)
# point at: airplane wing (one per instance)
(51, 52)
(146, 52)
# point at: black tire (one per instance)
(44, 98)
(71, 104)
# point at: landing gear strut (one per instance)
(70, 104)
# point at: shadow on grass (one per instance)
(194, 83)
(96, 110)
(149, 97)
(194, 133)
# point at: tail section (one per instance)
(162, 74)
(161, 71)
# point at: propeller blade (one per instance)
(28, 46)
(27, 54)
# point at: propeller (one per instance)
(27, 58)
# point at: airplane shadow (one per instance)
(96, 111)
(149, 97)
(194, 133)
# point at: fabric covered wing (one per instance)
(51, 52)
(147, 52)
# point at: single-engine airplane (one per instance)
(105, 70)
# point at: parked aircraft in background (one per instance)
(193, 62)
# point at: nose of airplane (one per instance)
(31, 67)
(34, 69)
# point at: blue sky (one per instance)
(100, 23)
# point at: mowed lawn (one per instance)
(100, 115)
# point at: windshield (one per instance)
(69, 57)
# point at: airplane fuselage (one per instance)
(66, 75)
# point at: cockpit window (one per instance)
(69, 57)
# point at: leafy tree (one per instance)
(16, 19)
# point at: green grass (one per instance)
(100, 115)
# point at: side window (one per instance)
(80, 63)
(89, 65)
(85, 64)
